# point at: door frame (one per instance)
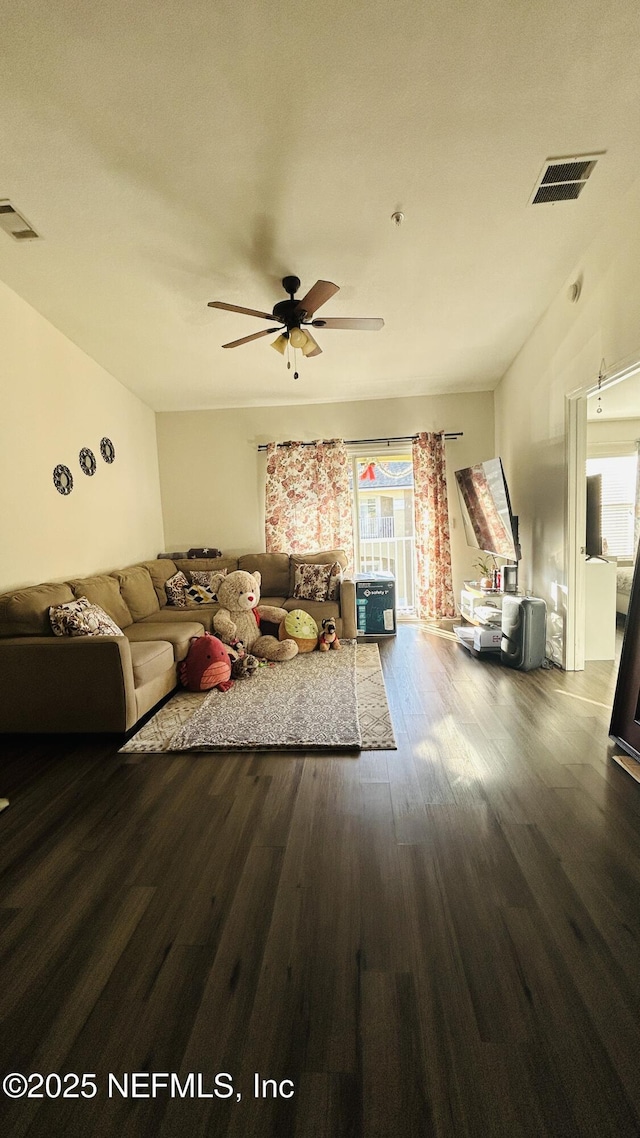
(576, 509)
(576, 505)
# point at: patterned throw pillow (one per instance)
(312, 582)
(175, 588)
(82, 618)
(199, 595)
(335, 581)
(211, 578)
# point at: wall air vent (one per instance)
(15, 224)
(563, 179)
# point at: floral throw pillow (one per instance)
(211, 578)
(335, 581)
(311, 582)
(175, 588)
(198, 595)
(81, 618)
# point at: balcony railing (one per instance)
(394, 555)
(373, 528)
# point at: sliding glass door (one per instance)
(382, 491)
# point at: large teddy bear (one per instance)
(238, 617)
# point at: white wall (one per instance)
(563, 354)
(212, 477)
(56, 400)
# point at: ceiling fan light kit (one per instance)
(295, 316)
(280, 344)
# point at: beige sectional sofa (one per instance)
(107, 683)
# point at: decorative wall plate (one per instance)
(87, 461)
(63, 479)
(107, 450)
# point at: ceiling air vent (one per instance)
(563, 179)
(15, 224)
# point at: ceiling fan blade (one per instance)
(248, 339)
(236, 308)
(319, 294)
(359, 323)
(316, 349)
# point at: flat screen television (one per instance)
(593, 542)
(486, 509)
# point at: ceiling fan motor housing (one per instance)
(288, 312)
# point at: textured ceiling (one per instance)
(172, 153)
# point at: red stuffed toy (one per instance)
(207, 665)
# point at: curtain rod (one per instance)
(387, 442)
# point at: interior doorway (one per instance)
(612, 405)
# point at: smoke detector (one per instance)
(563, 179)
(15, 224)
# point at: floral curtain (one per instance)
(636, 512)
(434, 587)
(308, 498)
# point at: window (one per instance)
(618, 502)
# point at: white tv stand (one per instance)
(482, 611)
(473, 599)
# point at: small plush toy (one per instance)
(239, 617)
(245, 667)
(328, 636)
(243, 663)
(207, 665)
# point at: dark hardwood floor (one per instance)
(442, 940)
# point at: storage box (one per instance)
(487, 639)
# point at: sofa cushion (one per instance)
(312, 582)
(25, 612)
(175, 590)
(176, 633)
(322, 557)
(150, 659)
(209, 577)
(168, 615)
(138, 592)
(188, 565)
(274, 570)
(198, 595)
(104, 590)
(160, 571)
(81, 618)
(336, 577)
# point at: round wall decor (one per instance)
(63, 479)
(107, 450)
(87, 461)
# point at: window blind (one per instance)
(618, 501)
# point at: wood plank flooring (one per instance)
(440, 941)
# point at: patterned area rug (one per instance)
(170, 726)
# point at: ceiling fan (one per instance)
(294, 317)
